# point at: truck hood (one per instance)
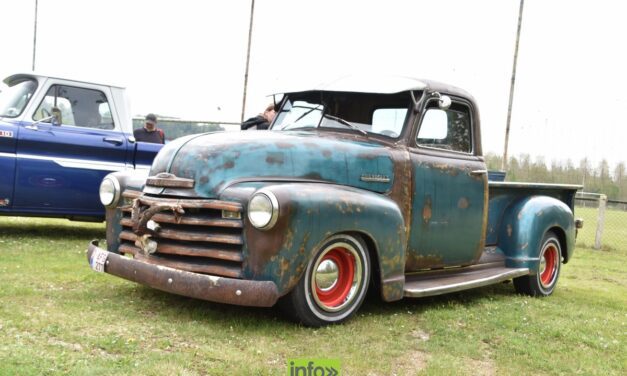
(216, 160)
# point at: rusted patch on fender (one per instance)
(403, 185)
(417, 262)
(368, 156)
(263, 245)
(284, 145)
(313, 176)
(445, 168)
(275, 158)
(463, 203)
(393, 289)
(426, 211)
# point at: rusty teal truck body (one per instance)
(358, 185)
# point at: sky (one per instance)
(187, 58)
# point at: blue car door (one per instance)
(61, 162)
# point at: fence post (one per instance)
(600, 221)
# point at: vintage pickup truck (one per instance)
(58, 139)
(358, 185)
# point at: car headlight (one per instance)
(109, 191)
(263, 210)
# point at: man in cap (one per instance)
(150, 132)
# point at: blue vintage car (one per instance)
(358, 185)
(58, 139)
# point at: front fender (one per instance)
(524, 224)
(309, 213)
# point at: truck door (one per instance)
(449, 189)
(60, 166)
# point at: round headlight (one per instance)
(263, 210)
(109, 191)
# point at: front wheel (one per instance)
(334, 284)
(543, 281)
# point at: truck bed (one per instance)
(505, 194)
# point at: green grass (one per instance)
(57, 317)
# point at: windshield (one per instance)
(14, 98)
(382, 114)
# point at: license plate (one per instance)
(98, 260)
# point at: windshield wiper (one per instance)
(301, 116)
(344, 122)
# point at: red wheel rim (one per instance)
(336, 295)
(549, 261)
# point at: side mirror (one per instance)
(444, 102)
(57, 118)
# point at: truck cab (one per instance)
(360, 183)
(58, 139)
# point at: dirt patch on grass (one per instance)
(411, 363)
(483, 367)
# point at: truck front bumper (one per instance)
(194, 285)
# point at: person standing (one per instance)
(261, 121)
(149, 132)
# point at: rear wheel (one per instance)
(334, 284)
(544, 280)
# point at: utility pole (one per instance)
(250, 35)
(35, 35)
(511, 88)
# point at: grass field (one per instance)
(57, 317)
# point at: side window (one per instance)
(78, 106)
(388, 121)
(446, 129)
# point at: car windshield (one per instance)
(382, 114)
(14, 98)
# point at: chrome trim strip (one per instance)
(79, 163)
(7, 155)
(374, 178)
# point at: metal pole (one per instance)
(600, 222)
(250, 35)
(35, 35)
(511, 87)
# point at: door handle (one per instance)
(478, 172)
(32, 127)
(113, 140)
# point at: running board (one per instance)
(429, 284)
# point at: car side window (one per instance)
(78, 106)
(448, 129)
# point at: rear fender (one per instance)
(309, 213)
(524, 225)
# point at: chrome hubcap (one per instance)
(326, 275)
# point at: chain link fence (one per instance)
(605, 221)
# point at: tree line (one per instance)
(595, 178)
